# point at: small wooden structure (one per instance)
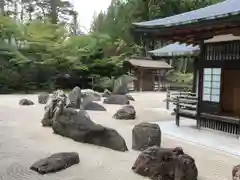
(147, 71)
(178, 51)
(216, 29)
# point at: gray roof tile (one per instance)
(210, 12)
(152, 64)
(175, 49)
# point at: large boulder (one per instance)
(127, 112)
(106, 93)
(75, 98)
(77, 125)
(55, 105)
(165, 164)
(56, 162)
(43, 98)
(116, 99)
(145, 135)
(236, 172)
(93, 106)
(94, 95)
(25, 102)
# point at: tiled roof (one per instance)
(175, 49)
(219, 10)
(146, 63)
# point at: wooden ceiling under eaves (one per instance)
(193, 34)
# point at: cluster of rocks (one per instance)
(67, 116)
(160, 163)
(127, 111)
(67, 119)
(154, 162)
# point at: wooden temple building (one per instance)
(149, 73)
(216, 29)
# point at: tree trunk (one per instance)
(54, 15)
(75, 23)
(2, 5)
(15, 10)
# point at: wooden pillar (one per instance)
(141, 80)
(159, 79)
(200, 83)
(195, 69)
(153, 80)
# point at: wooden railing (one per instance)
(184, 99)
(228, 124)
(163, 86)
(186, 106)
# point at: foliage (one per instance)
(39, 41)
(117, 21)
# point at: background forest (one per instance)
(42, 46)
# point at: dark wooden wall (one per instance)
(224, 55)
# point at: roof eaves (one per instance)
(140, 24)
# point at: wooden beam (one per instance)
(201, 34)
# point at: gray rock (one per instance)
(53, 107)
(236, 172)
(129, 97)
(86, 99)
(43, 98)
(116, 99)
(127, 112)
(56, 162)
(75, 97)
(106, 93)
(93, 106)
(121, 90)
(145, 135)
(25, 102)
(78, 126)
(94, 95)
(121, 84)
(185, 168)
(165, 164)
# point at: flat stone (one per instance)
(26, 102)
(55, 162)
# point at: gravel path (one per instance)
(23, 141)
